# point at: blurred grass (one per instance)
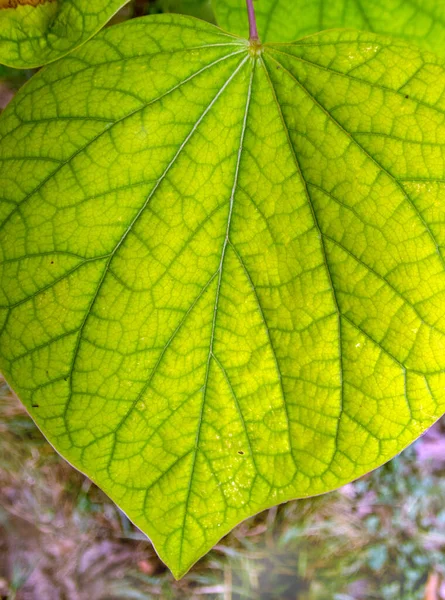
(61, 538)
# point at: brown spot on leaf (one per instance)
(16, 3)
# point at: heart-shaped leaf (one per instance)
(222, 267)
(419, 21)
(36, 32)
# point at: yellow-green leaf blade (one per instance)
(36, 33)
(222, 275)
(419, 21)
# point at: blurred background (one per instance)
(61, 538)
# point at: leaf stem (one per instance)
(253, 31)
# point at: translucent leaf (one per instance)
(418, 21)
(36, 32)
(222, 270)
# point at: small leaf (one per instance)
(37, 32)
(222, 266)
(421, 22)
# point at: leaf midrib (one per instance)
(216, 305)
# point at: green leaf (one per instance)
(419, 21)
(37, 32)
(222, 268)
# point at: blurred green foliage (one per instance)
(201, 9)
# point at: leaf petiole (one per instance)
(253, 30)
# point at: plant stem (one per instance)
(253, 31)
